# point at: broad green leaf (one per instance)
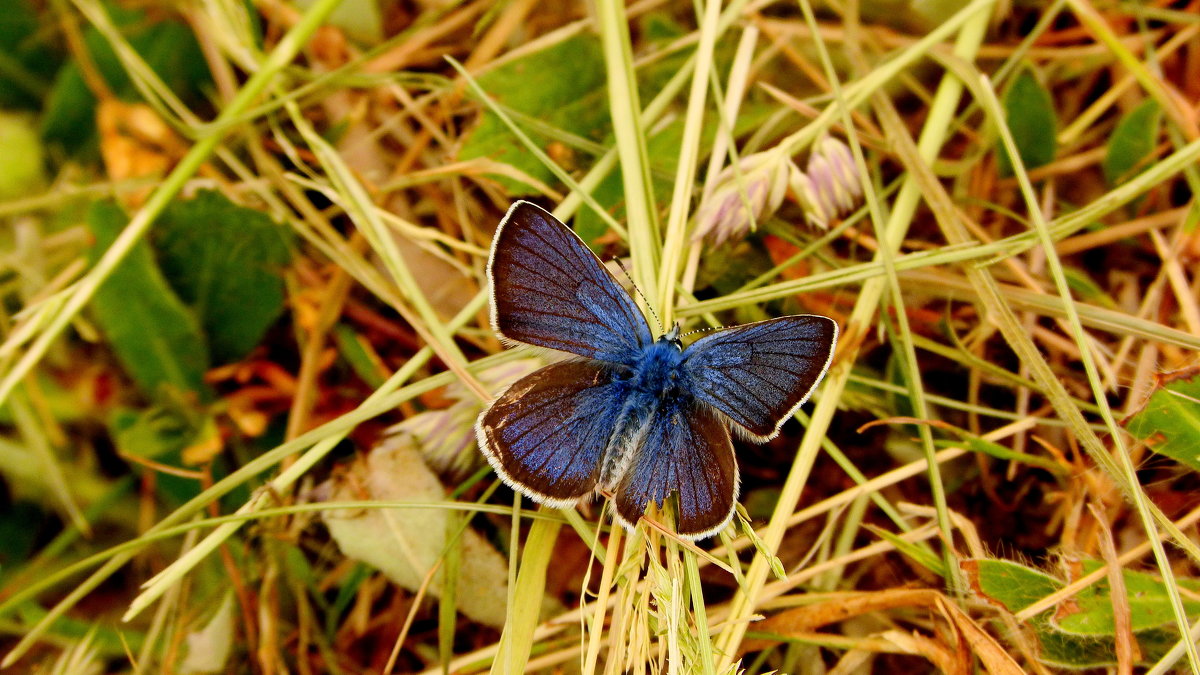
(1010, 584)
(559, 95)
(1149, 606)
(1029, 112)
(226, 262)
(175, 433)
(1071, 651)
(155, 432)
(168, 47)
(1169, 423)
(1084, 637)
(1132, 142)
(154, 336)
(561, 87)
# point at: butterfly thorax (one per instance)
(659, 371)
(657, 381)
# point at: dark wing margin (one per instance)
(549, 289)
(546, 435)
(760, 373)
(684, 450)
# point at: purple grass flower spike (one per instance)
(831, 187)
(724, 216)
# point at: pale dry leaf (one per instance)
(208, 648)
(406, 543)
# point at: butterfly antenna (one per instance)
(702, 330)
(639, 292)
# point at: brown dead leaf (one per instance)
(968, 638)
(135, 143)
(811, 617)
(942, 657)
(978, 641)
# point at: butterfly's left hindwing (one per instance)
(547, 433)
(759, 373)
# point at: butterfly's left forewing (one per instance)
(550, 290)
(683, 449)
(759, 373)
(547, 433)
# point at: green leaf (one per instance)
(360, 20)
(1010, 584)
(661, 27)
(977, 444)
(225, 261)
(562, 87)
(153, 433)
(364, 363)
(168, 47)
(663, 149)
(22, 171)
(154, 336)
(21, 524)
(1132, 142)
(177, 432)
(1071, 651)
(1149, 606)
(107, 640)
(915, 552)
(1169, 423)
(1084, 637)
(1029, 112)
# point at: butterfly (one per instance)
(633, 416)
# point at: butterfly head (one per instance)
(671, 337)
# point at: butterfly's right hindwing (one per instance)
(550, 290)
(683, 449)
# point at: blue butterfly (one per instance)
(635, 417)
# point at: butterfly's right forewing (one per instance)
(550, 290)
(547, 433)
